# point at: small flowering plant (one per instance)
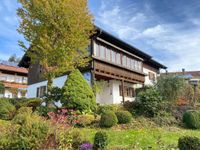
(64, 117)
(86, 146)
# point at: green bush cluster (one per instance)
(189, 143)
(7, 110)
(123, 117)
(192, 119)
(26, 131)
(85, 120)
(100, 140)
(164, 118)
(108, 119)
(25, 102)
(113, 107)
(44, 110)
(149, 102)
(78, 94)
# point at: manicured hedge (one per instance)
(123, 117)
(100, 140)
(192, 119)
(189, 143)
(108, 119)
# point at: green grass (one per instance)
(144, 137)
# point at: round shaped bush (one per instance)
(189, 143)
(7, 110)
(108, 119)
(85, 120)
(192, 119)
(123, 117)
(100, 140)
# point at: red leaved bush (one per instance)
(64, 117)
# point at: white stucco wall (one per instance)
(8, 94)
(106, 95)
(111, 95)
(32, 89)
(147, 81)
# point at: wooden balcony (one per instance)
(110, 71)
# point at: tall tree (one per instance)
(58, 32)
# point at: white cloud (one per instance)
(145, 29)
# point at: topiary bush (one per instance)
(113, 107)
(108, 119)
(78, 94)
(7, 110)
(100, 140)
(150, 102)
(192, 119)
(123, 117)
(189, 143)
(85, 120)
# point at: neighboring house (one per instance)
(14, 79)
(193, 77)
(123, 66)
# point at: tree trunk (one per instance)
(49, 83)
(50, 78)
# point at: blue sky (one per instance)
(169, 30)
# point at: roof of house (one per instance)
(111, 38)
(118, 42)
(12, 67)
(185, 74)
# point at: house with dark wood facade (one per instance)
(122, 66)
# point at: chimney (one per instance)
(183, 71)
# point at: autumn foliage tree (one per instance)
(58, 32)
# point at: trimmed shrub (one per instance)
(108, 119)
(192, 119)
(78, 94)
(33, 102)
(189, 143)
(103, 108)
(85, 120)
(25, 102)
(150, 102)
(100, 140)
(123, 117)
(7, 110)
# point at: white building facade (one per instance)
(122, 66)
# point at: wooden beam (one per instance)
(123, 97)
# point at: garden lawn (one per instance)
(143, 137)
